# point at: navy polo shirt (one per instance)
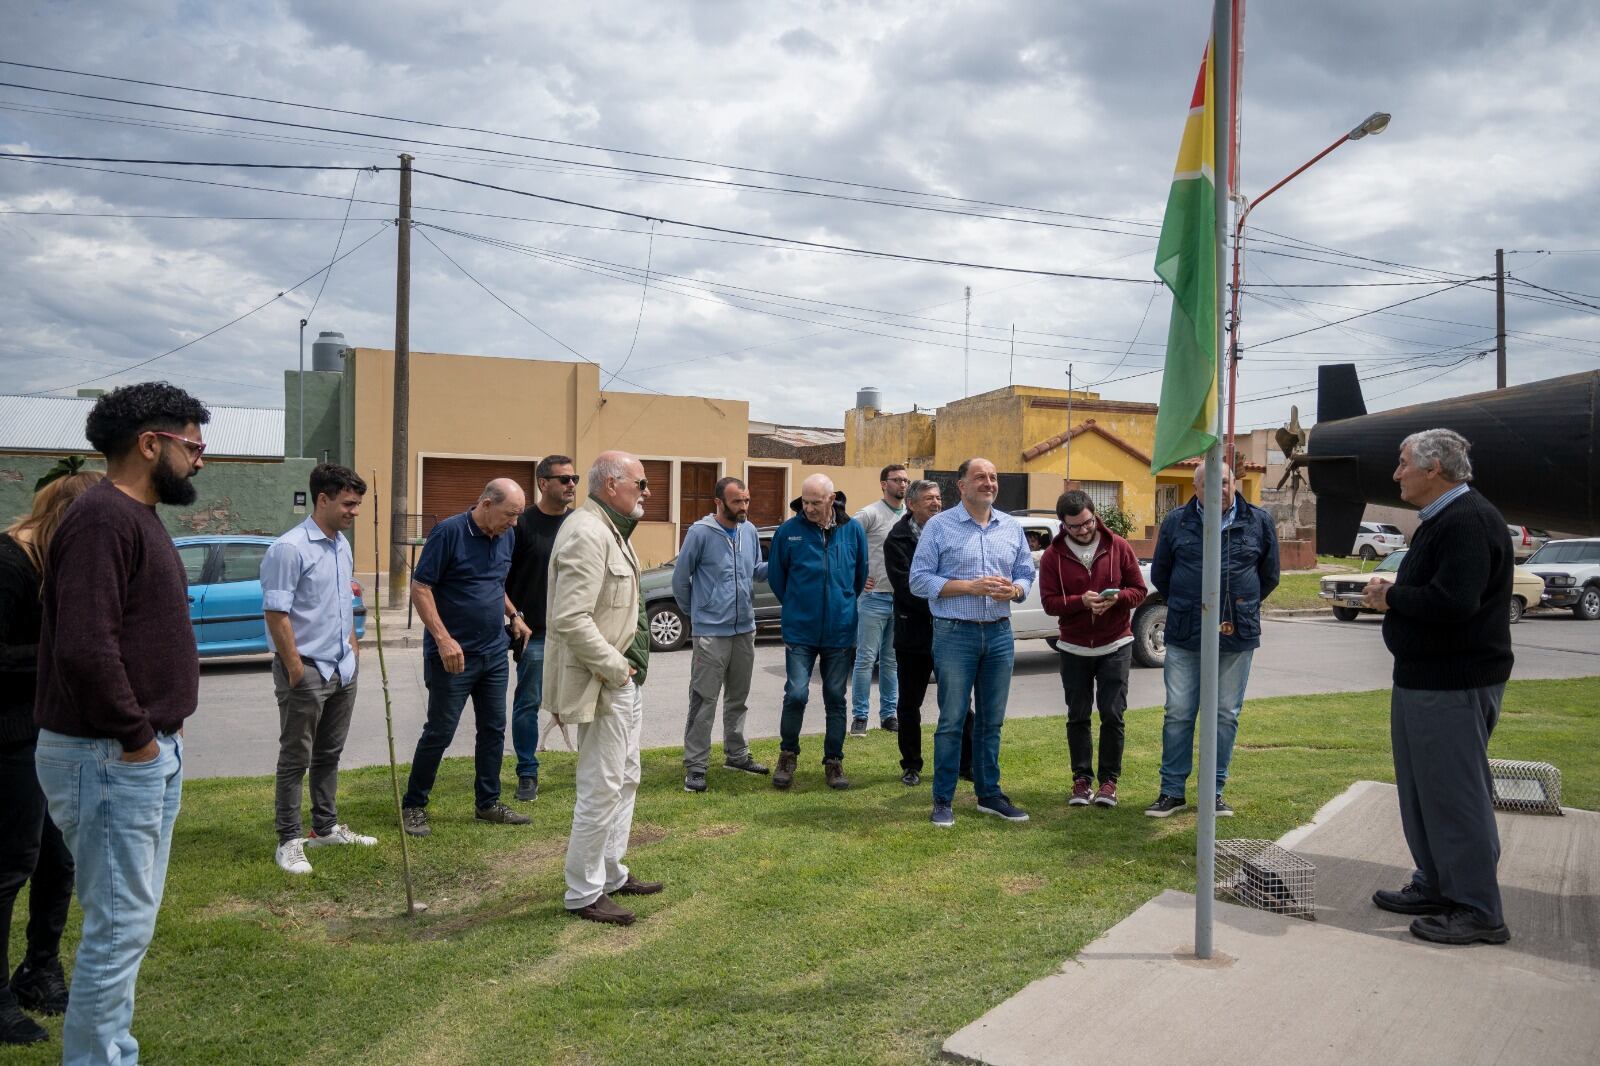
(466, 569)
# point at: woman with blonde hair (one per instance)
(31, 846)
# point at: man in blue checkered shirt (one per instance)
(972, 563)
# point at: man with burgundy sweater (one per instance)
(118, 674)
(1089, 578)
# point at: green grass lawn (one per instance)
(810, 926)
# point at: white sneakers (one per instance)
(291, 854)
(291, 857)
(340, 834)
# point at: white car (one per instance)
(1377, 539)
(1570, 570)
(1029, 622)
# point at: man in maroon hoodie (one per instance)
(1089, 578)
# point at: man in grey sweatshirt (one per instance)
(712, 581)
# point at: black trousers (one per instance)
(915, 671)
(1091, 681)
(30, 847)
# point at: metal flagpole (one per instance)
(1211, 571)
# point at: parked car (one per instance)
(224, 575)
(669, 629)
(1377, 540)
(1570, 570)
(1343, 591)
(1526, 541)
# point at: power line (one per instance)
(644, 291)
(1363, 314)
(37, 156)
(329, 272)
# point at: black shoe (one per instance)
(416, 821)
(858, 727)
(500, 814)
(1408, 900)
(747, 765)
(694, 781)
(15, 1026)
(41, 989)
(1223, 810)
(911, 779)
(891, 724)
(1459, 925)
(635, 887)
(1165, 806)
(1001, 807)
(528, 789)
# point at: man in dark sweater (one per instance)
(1447, 623)
(118, 674)
(526, 585)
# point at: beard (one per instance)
(172, 488)
(638, 511)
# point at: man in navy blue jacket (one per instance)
(1249, 574)
(817, 567)
(713, 582)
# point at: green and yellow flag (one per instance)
(1186, 259)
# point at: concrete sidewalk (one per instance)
(1352, 987)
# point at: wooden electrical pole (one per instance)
(1499, 318)
(399, 579)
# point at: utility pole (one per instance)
(966, 349)
(1499, 318)
(1068, 444)
(1011, 373)
(301, 452)
(399, 580)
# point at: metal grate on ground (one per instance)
(1260, 874)
(1526, 787)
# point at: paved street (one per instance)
(235, 731)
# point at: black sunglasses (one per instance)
(565, 479)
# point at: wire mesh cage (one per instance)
(1526, 787)
(1260, 874)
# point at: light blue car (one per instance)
(224, 575)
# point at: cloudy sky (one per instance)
(1037, 136)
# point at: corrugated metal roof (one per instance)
(804, 436)
(55, 424)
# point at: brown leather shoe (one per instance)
(783, 776)
(833, 770)
(603, 910)
(635, 887)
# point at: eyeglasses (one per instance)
(643, 483)
(1085, 524)
(898, 480)
(565, 479)
(196, 448)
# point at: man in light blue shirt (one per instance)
(306, 580)
(972, 563)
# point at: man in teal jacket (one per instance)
(817, 567)
(713, 581)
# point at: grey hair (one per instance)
(1443, 446)
(604, 468)
(919, 489)
(492, 493)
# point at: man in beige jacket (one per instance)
(597, 651)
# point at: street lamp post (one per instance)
(1375, 123)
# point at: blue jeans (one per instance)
(1182, 675)
(875, 644)
(525, 708)
(117, 820)
(972, 661)
(484, 679)
(798, 661)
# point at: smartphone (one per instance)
(1109, 594)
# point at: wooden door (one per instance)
(768, 503)
(697, 494)
(450, 486)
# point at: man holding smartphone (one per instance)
(1089, 578)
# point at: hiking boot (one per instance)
(747, 765)
(1001, 807)
(783, 777)
(1082, 792)
(340, 834)
(41, 988)
(694, 781)
(604, 911)
(858, 727)
(15, 1026)
(891, 724)
(911, 779)
(416, 821)
(1223, 810)
(1459, 925)
(291, 857)
(942, 815)
(833, 770)
(1106, 794)
(1165, 806)
(500, 814)
(1408, 900)
(527, 788)
(635, 887)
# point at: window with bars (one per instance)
(1104, 494)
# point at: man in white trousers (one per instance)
(597, 650)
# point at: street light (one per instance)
(1375, 123)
